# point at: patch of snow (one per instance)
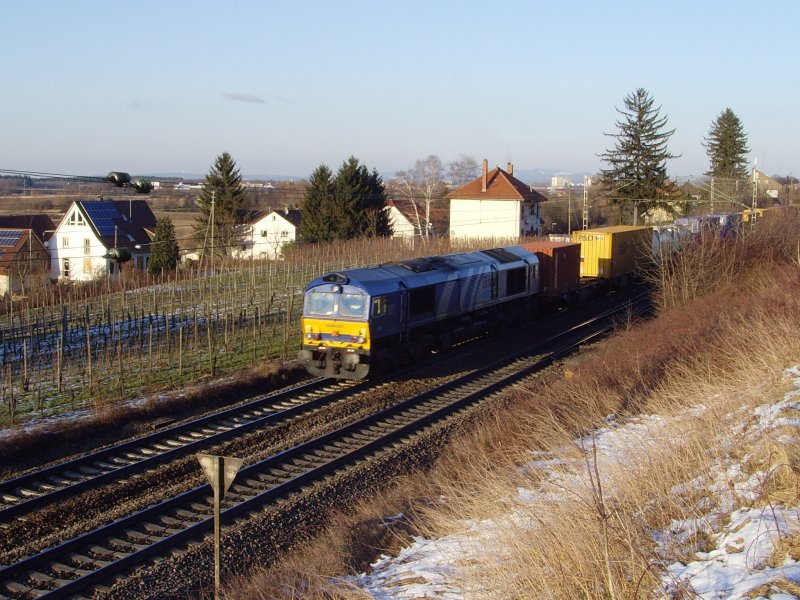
(742, 537)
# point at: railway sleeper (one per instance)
(70, 571)
(87, 560)
(39, 577)
(23, 590)
(100, 550)
(138, 536)
(58, 481)
(120, 546)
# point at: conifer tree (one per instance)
(351, 204)
(165, 254)
(726, 147)
(222, 187)
(637, 163)
(317, 210)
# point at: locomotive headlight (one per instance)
(361, 339)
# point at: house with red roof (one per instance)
(497, 205)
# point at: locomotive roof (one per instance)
(416, 272)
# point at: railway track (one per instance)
(90, 561)
(23, 494)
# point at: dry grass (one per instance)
(717, 351)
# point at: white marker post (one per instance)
(220, 471)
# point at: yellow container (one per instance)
(611, 252)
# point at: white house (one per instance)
(402, 226)
(496, 205)
(264, 235)
(96, 236)
(408, 220)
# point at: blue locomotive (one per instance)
(359, 319)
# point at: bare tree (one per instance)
(463, 170)
(422, 184)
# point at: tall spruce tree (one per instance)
(223, 187)
(165, 254)
(637, 171)
(726, 147)
(352, 204)
(317, 210)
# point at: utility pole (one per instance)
(213, 198)
(712, 195)
(585, 215)
(569, 208)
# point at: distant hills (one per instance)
(531, 176)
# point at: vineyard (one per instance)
(99, 345)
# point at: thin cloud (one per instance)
(243, 98)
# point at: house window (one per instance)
(264, 233)
(284, 234)
(65, 242)
(65, 268)
(87, 246)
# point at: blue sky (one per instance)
(156, 87)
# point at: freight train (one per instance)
(357, 320)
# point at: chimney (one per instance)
(484, 179)
(510, 168)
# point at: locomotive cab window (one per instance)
(319, 303)
(352, 305)
(379, 306)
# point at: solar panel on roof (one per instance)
(102, 213)
(10, 237)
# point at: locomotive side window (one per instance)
(515, 281)
(352, 305)
(421, 301)
(379, 306)
(319, 303)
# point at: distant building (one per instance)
(24, 261)
(41, 225)
(96, 236)
(766, 185)
(408, 221)
(496, 205)
(265, 234)
(560, 180)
